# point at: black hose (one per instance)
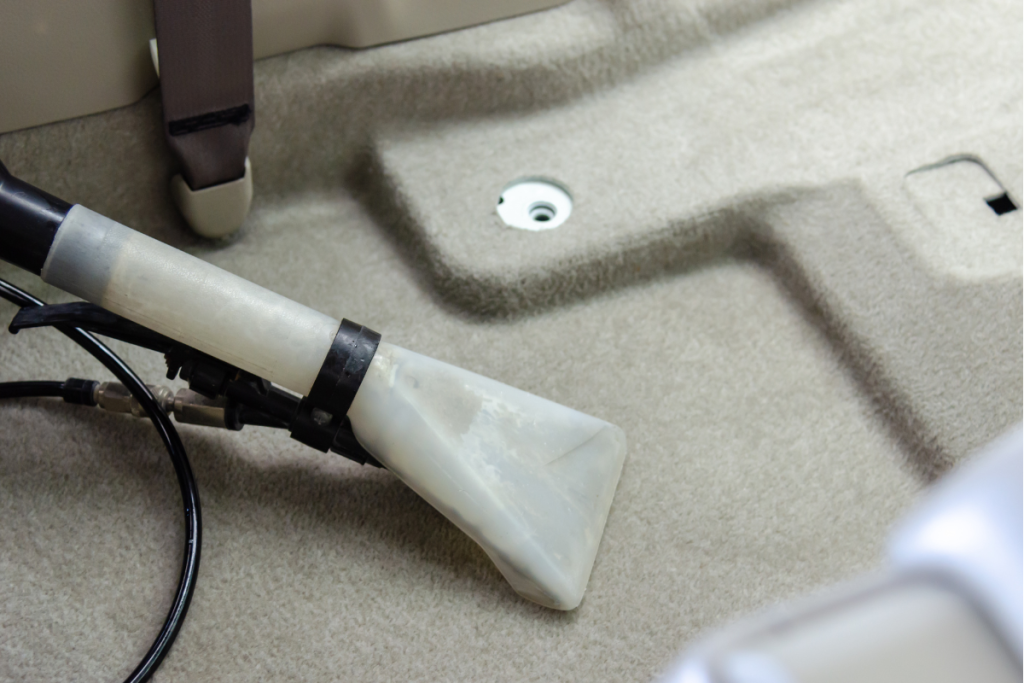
(182, 469)
(31, 389)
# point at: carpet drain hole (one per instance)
(542, 212)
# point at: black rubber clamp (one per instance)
(344, 368)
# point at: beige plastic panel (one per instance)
(283, 25)
(60, 59)
(67, 59)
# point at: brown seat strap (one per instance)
(205, 52)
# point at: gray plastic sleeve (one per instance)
(188, 299)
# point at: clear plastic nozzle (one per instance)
(530, 480)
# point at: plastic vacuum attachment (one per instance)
(531, 481)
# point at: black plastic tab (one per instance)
(91, 318)
(29, 219)
(314, 427)
(346, 444)
(344, 368)
(320, 430)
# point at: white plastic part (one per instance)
(188, 299)
(154, 54)
(914, 631)
(534, 204)
(530, 480)
(215, 211)
(970, 530)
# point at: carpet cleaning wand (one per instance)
(530, 480)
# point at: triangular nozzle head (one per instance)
(530, 480)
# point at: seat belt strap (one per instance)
(206, 86)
